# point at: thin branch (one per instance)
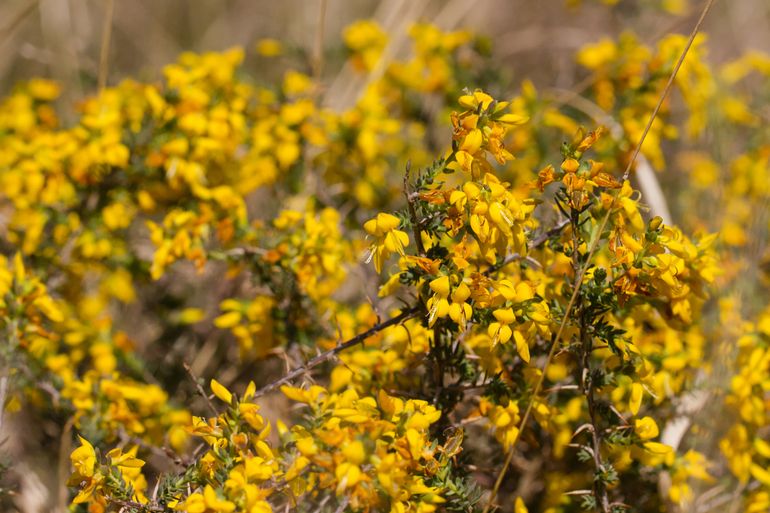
(331, 353)
(163, 452)
(343, 505)
(666, 89)
(412, 213)
(200, 388)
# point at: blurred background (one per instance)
(61, 39)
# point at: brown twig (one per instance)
(200, 388)
(412, 213)
(164, 452)
(343, 505)
(667, 89)
(331, 353)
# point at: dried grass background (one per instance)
(535, 39)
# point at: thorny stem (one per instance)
(586, 376)
(200, 389)
(412, 213)
(591, 251)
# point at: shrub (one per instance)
(185, 287)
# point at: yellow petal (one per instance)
(504, 315)
(227, 320)
(354, 452)
(370, 227)
(658, 448)
(440, 286)
(387, 222)
(646, 428)
(513, 119)
(521, 345)
(760, 474)
(472, 141)
(461, 293)
(221, 392)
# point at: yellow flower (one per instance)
(84, 458)
(646, 428)
(504, 419)
(206, 502)
(221, 392)
(388, 239)
(500, 331)
(86, 476)
(460, 311)
(366, 40)
(123, 460)
(438, 306)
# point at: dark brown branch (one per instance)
(327, 355)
